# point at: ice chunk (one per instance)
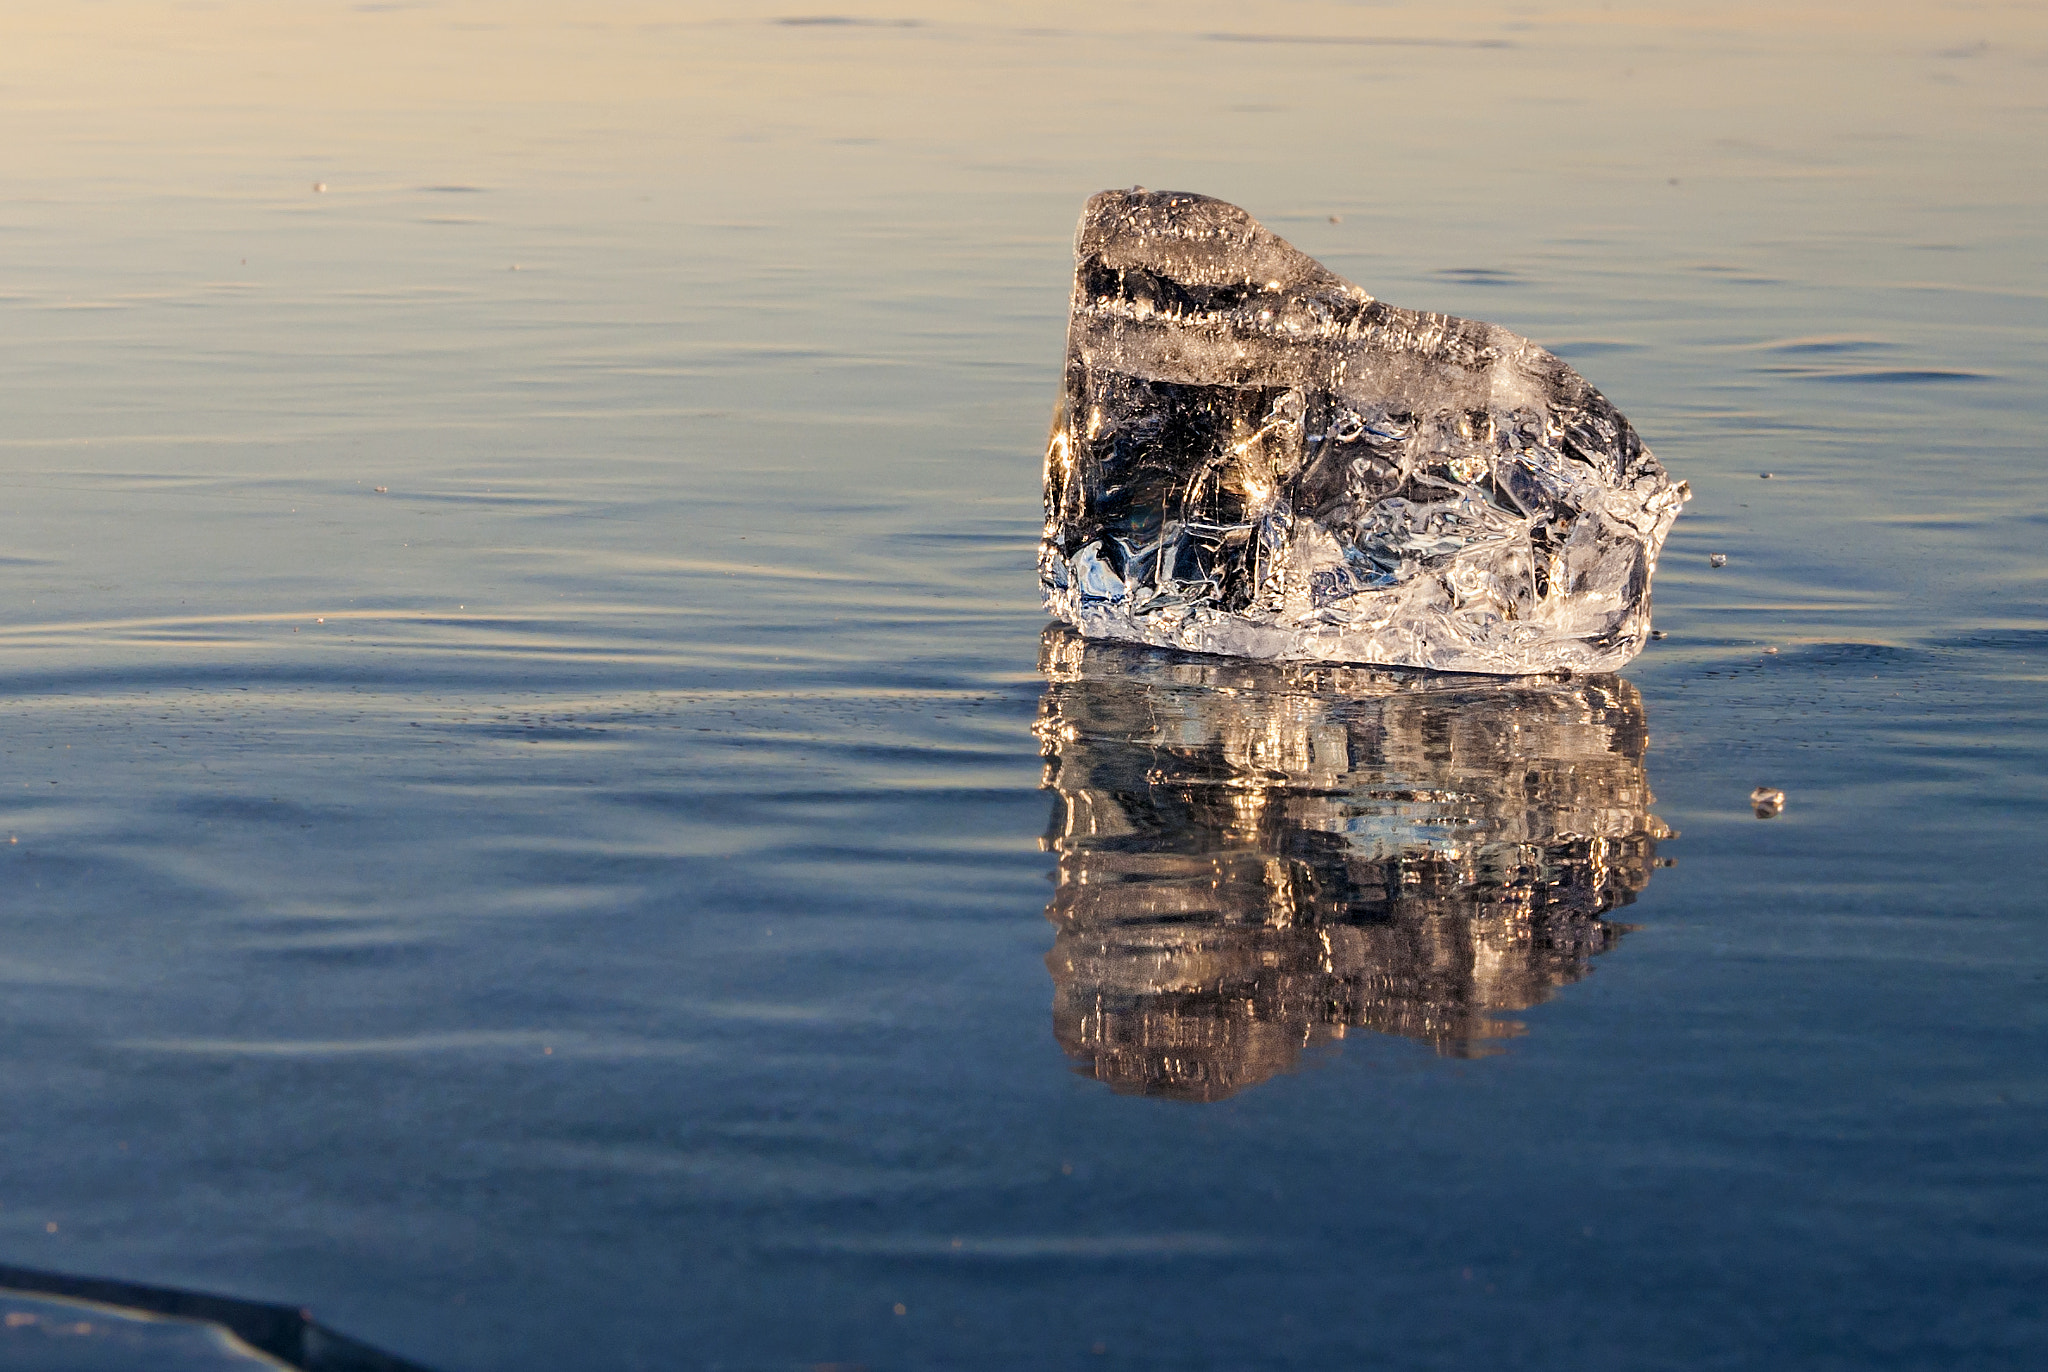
(58, 1319)
(1253, 456)
(1256, 857)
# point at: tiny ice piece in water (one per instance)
(1253, 456)
(1718, 560)
(1767, 801)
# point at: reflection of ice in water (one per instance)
(1255, 857)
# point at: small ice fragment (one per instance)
(1336, 219)
(1252, 456)
(319, 188)
(1767, 801)
(1718, 560)
(1765, 475)
(1770, 652)
(380, 490)
(1657, 633)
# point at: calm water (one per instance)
(541, 824)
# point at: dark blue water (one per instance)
(525, 831)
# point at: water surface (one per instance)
(543, 823)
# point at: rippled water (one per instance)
(542, 823)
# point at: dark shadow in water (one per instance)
(1254, 858)
(85, 1324)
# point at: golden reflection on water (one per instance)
(1256, 858)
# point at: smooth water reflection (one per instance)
(1256, 858)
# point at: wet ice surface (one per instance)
(586, 905)
(53, 1322)
(65, 1336)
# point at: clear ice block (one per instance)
(1252, 456)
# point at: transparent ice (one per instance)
(1252, 456)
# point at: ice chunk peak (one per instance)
(1252, 456)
